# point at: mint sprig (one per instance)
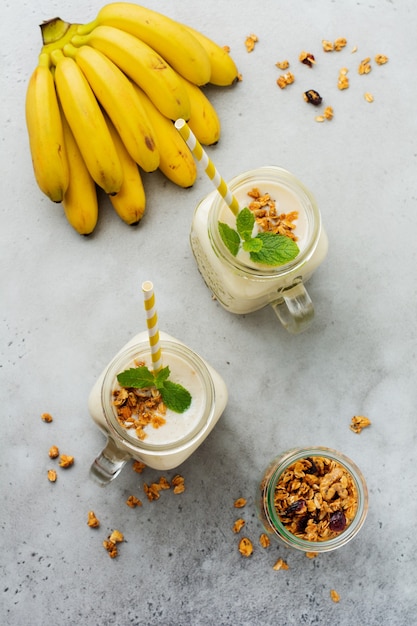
(265, 248)
(174, 396)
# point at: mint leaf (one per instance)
(252, 245)
(136, 377)
(175, 396)
(245, 221)
(161, 377)
(275, 250)
(230, 238)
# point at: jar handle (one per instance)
(294, 309)
(108, 464)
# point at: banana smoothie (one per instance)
(140, 422)
(240, 283)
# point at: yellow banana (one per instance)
(117, 96)
(166, 36)
(130, 202)
(80, 199)
(87, 123)
(176, 159)
(46, 139)
(223, 69)
(204, 121)
(143, 65)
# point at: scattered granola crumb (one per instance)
(282, 65)
(334, 595)
(66, 461)
(365, 66)
(340, 43)
(52, 475)
(92, 520)
(264, 541)
(311, 555)
(327, 45)
(226, 49)
(250, 42)
(307, 58)
(138, 466)
(152, 491)
(343, 80)
(245, 547)
(381, 59)
(133, 502)
(320, 118)
(238, 525)
(285, 79)
(328, 113)
(53, 452)
(111, 542)
(239, 503)
(47, 417)
(354, 49)
(178, 483)
(280, 564)
(359, 422)
(368, 97)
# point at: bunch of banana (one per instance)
(101, 103)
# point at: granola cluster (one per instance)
(358, 423)
(264, 210)
(316, 498)
(137, 408)
(250, 42)
(110, 544)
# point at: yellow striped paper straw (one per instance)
(209, 167)
(152, 324)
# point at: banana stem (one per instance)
(44, 59)
(85, 29)
(56, 55)
(53, 30)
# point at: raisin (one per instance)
(297, 507)
(313, 469)
(313, 97)
(302, 523)
(337, 521)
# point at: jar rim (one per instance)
(120, 362)
(279, 529)
(307, 201)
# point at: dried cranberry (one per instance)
(337, 521)
(296, 507)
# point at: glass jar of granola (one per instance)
(136, 422)
(313, 499)
(241, 285)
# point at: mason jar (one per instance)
(169, 445)
(305, 515)
(242, 286)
